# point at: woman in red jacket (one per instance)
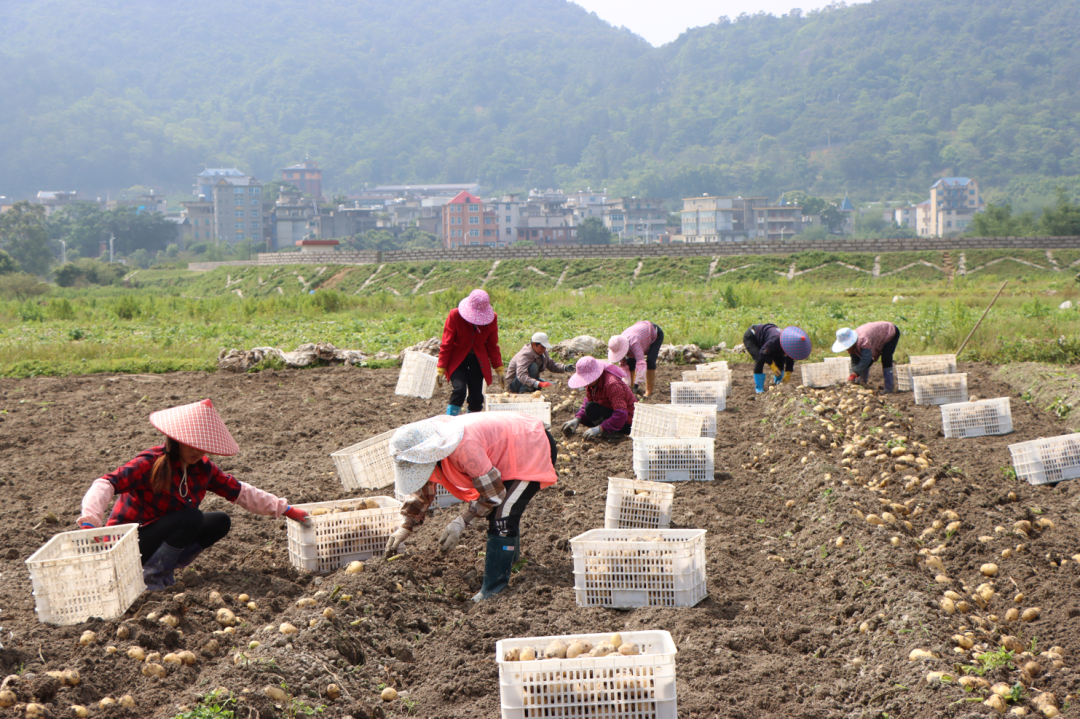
(162, 487)
(470, 352)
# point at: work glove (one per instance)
(787, 377)
(543, 385)
(591, 432)
(394, 541)
(570, 427)
(451, 535)
(298, 515)
(776, 370)
(759, 383)
(499, 376)
(440, 376)
(853, 378)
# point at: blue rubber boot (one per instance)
(453, 410)
(498, 561)
(759, 383)
(158, 570)
(890, 379)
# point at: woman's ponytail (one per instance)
(161, 474)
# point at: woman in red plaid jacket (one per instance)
(162, 487)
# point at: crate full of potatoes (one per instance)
(628, 675)
(342, 532)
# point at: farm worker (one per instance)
(494, 461)
(608, 407)
(469, 351)
(638, 344)
(523, 372)
(865, 344)
(780, 349)
(161, 489)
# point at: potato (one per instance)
(7, 699)
(333, 691)
(1012, 614)
(389, 694)
(171, 658)
(1022, 527)
(512, 655)
(288, 629)
(527, 654)
(556, 649)
(1030, 614)
(153, 657)
(921, 655)
(111, 650)
(88, 637)
(973, 682)
(313, 622)
(575, 650)
(950, 594)
(127, 701)
(1032, 669)
(106, 702)
(153, 670)
(988, 570)
(319, 511)
(170, 621)
(963, 642)
(187, 657)
(963, 607)
(875, 520)
(79, 711)
(305, 603)
(136, 653)
(628, 649)
(69, 678)
(354, 568)
(123, 632)
(276, 693)
(35, 710)
(616, 640)
(996, 703)
(602, 649)
(225, 617)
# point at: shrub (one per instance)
(61, 309)
(87, 271)
(127, 308)
(21, 286)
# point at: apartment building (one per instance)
(463, 222)
(587, 204)
(636, 220)
(205, 180)
(199, 222)
(905, 216)
(55, 200)
(778, 222)
(953, 204)
(239, 213)
(305, 176)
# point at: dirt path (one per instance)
(794, 626)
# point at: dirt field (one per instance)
(794, 625)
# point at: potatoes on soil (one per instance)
(127, 701)
(276, 693)
(225, 617)
(288, 629)
(136, 653)
(106, 702)
(333, 691)
(354, 568)
(389, 694)
(79, 712)
(154, 670)
(7, 699)
(88, 637)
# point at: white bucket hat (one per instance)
(541, 338)
(845, 337)
(416, 448)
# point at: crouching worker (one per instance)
(865, 344)
(161, 489)
(523, 372)
(608, 407)
(494, 461)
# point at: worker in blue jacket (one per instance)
(769, 345)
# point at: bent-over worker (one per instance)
(767, 344)
(639, 344)
(469, 352)
(523, 372)
(494, 461)
(865, 344)
(608, 407)
(162, 487)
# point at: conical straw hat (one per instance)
(197, 425)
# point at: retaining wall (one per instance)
(711, 249)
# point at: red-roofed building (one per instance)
(463, 223)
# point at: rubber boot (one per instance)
(498, 561)
(158, 570)
(187, 555)
(453, 410)
(864, 377)
(890, 379)
(650, 382)
(759, 383)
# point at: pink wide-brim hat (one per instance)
(476, 308)
(197, 425)
(617, 347)
(588, 370)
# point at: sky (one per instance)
(661, 23)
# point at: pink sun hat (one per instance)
(476, 308)
(617, 347)
(588, 370)
(197, 425)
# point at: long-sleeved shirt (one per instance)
(873, 336)
(460, 337)
(615, 394)
(519, 366)
(639, 336)
(769, 349)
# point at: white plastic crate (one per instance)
(1053, 459)
(626, 568)
(824, 374)
(443, 498)
(417, 375)
(512, 398)
(977, 419)
(720, 375)
(905, 372)
(658, 420)
(541, 410)
(367, 464)
(710, 366)
(334, 540)
(940, 388)
(640, 686)
(634, 504)
(923, 359)
(846, 360)
(673, 460)
(707, 411)
(700, 393)
(87, 573)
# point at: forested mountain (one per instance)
(872, 99)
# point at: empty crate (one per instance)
(657, 420)
(541, 410)
(719, 364)
(1053, 459)
(634, 504)
(718, 375)
(673, 460)
(706, 411)
(627, 568)
(940, 388)
(417, 376)
(977, 419)
(700, 393)
(923, 359)
(335, 539)
(824, 374)
(87, 573)
(366, 465)
(905, 372)
(846, 360)
(640, 686)
(512, 398)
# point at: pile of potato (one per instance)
(575, 649)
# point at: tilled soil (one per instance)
(794, 625)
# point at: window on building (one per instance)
(238, 213)
(238, 190)
(256, 190)
(254, 225)
(508, 231)
(474, 233)
(254, 202)
(489, 220)
(474, 220)
(240, 237)
(487, 233)
(254, 213)
(474, 208)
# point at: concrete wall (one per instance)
(710, 249)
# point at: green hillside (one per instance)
(872, 99)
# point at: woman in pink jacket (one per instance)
(161, 489)
(494, 461)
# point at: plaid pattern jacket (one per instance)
(489, 485)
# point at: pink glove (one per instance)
(298, 515)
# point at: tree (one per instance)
(1061, 220)
(24, 236)
(21, 286)
(998, 221)
(833, 217)
(7, 264)
(591, 231)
